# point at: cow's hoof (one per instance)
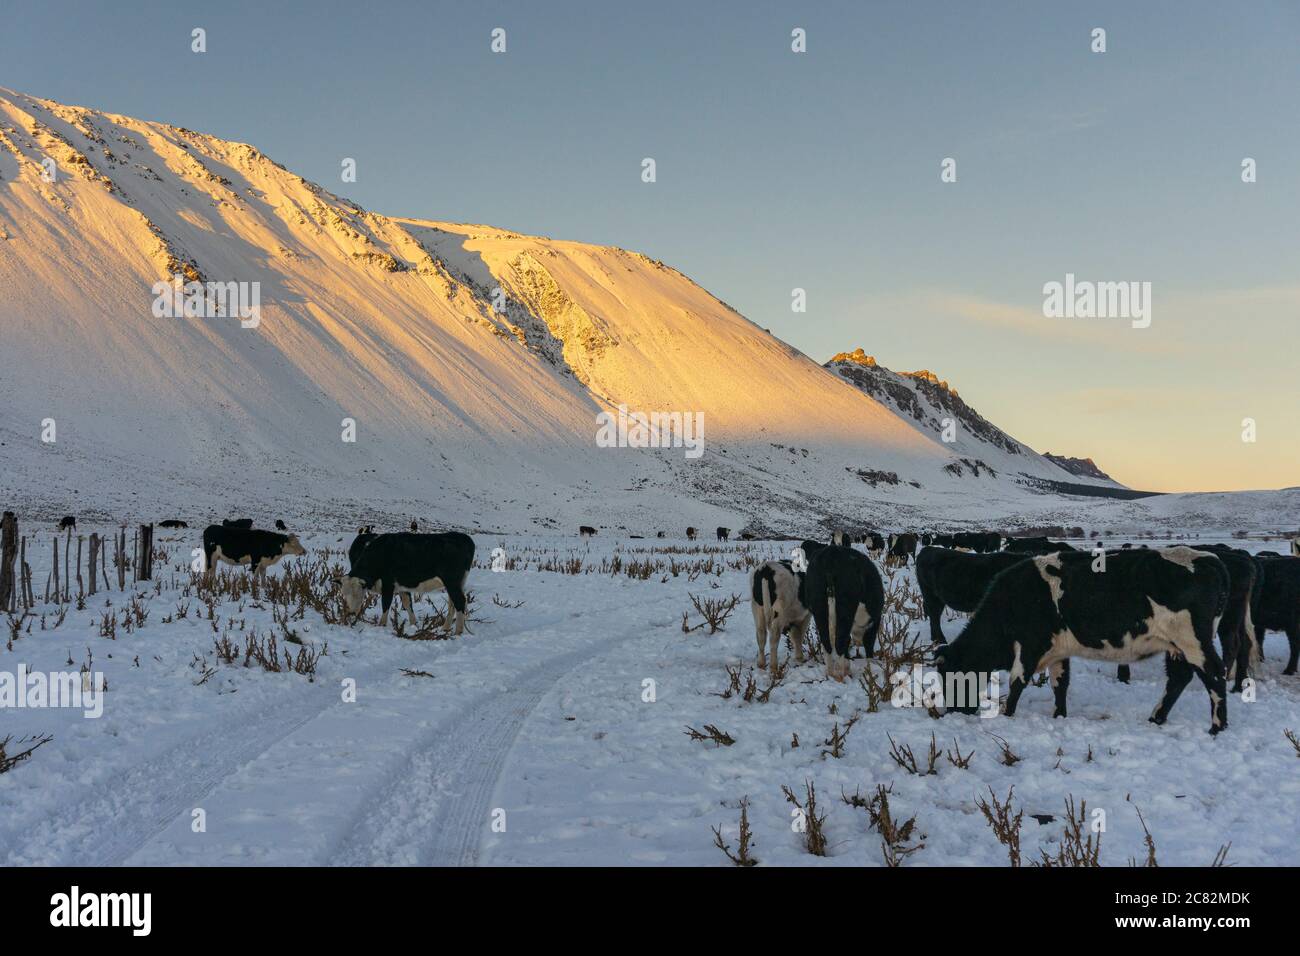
(1057, 713)
(1156, 719)
(1289, 671)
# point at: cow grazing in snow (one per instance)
(901, 548)
(690, 534)
(724, 534)
(847, 599)
(746, 536)
(411, 564)
(364, 537)
(1039, 613)
(246, 546)
(661, 534)
(957, 580)
(243, 524)
(280, 525)
(67, 521)
(1277, 603)
(585, 531)
(777, 601)
(874, 542)
(173, 523)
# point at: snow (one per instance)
(542, 712)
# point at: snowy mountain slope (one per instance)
(472, 362)
(928, 403)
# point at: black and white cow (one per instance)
(1039, 613)
(364, 537)
(256, 549)
(1037, 545)
(690, 534)
(1277, 604)
(847, 599)
(585, 531)
(661, 534)
(776, 592)
(875, 543)
(173, 523)
(67, 521)
(411, 564)
(724, 534)
(244, 524)
(957, 580)
(901, 548)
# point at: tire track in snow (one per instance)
(438, 807)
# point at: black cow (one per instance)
(724, 534)
(586, 530)
(67, 521)
(173, 523)
(901, 548)
(956, 579)
(1037, 545)
(280, 525)
(690, 534)
(244, 524)
(847, 599)
(661, 534)
(244, 546)
(981, 541)
(415, 526)
(779, 606)
(808, 547)
(942, 541)
(1037, 614)
(746, 536)
(1277, 604)
(411, 564)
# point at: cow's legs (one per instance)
(1293, 635)
(1059, 674)
(1018, 685)
(386, 600)
(410, 607)
(760, 637)
(1177, 673)
(797, 636)
(456, 597)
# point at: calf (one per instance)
(777, 601)
(1039, 613)
(68, 521)
(847, 599)
(244, 524)
(957, 580)
(411, 564)
(585, 530)
(244, 546)
(173, 523)
(724, 534)
(1277, 603)
(901, 548)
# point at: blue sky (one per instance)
(818, 170)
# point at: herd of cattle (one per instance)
(1035, 603)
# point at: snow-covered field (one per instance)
(555, 733)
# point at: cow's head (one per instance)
(354, 593)
(291, 546)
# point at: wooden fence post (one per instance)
(8, 550)
(144, 551)
(94, 557)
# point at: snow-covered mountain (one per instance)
(469, 363)
(936, 410)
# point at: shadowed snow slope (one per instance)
(472, 360)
